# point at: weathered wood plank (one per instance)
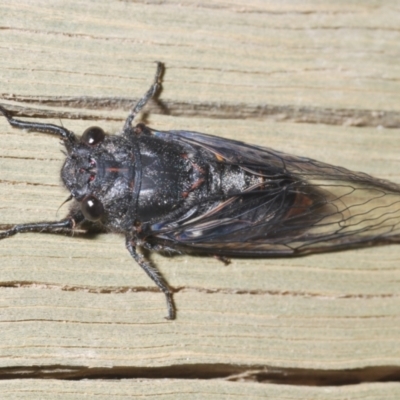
(174, 389)
(251, 71)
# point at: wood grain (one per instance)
(317, 79)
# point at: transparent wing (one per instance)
(299, 206)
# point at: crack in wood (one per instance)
(281, 113)
(229, 372)
(178, 289)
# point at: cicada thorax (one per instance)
(172, 178)
(126, 181)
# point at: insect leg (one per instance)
(223, 259)
(39, 127)
(50, 227)
(154, 275)
(148, 95)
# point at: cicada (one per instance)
(182, 191)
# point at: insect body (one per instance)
(188, 191)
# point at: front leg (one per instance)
(154, 88)
(154, 274)
(68, 223)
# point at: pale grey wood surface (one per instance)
(311, 78)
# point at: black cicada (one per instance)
(191, 192)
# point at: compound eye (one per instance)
(93, 136)
(92, 209)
